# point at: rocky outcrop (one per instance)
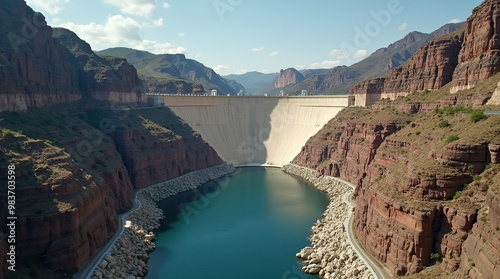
(110, 79)
(481, 251)
(407, 201)
(65, 210)
(431, 67)
(288, 77)
(34, 71)
(156, 146)
(480, 55)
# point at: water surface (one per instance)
(249, 225)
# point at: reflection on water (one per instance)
(249, 225)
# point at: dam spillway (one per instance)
(255, 130)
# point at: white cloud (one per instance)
(134, 7)
(403, 26)
(158, 22)
(257, 49)
(159, 48)
(339, 54)
(182, 34)
(165, 5)
(220, 68)
(327, 64)
(274, 53)
(50, 6)
(362, 53)
(455, 20)
(119, 31)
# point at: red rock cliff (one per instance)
(288, 77)
(34, 71)
(480, 54)
(431, 67)
(407, 180)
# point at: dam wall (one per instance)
(255, 130)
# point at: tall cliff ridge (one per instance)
(173, 73)
(463, 58)
(104, 78)
(287, 77)
(75, 174)
(34, 72)
(431, 67)
(425, 170)
(480, 54)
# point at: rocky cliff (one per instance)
(34, 72)
(74, 175)
(156, 145)
(431, 67)
(463, 58)
(174, 72)
(410, 173)
(480, 54)
(287, 77)
(106, 78)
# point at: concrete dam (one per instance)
(255, 130)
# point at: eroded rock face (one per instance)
(288, 77)
(480, 55)
(431, 67)
(34, 71)
(400, 215)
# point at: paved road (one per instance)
(88, 268)
(377, 269)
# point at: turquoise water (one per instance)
(248, 225)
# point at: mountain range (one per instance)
(173, 73)
(339, 79)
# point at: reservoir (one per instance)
(247, 225)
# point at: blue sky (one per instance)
(237, 36)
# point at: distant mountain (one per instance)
(173, 73)
(253, 81)
(288, 77)
(339, 79)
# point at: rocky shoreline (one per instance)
(129, 255)
(330, 255)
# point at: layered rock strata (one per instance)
(34, 72)
(129, 255)
(431, 67)
(479, 57)
(330, 255)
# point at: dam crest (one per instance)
(255, 131)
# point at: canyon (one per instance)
(418, 147)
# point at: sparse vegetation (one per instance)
(457, 195)
(452, 138)
(435, 257)
(477, 116)
(444, 124)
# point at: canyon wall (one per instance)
(464, 58)
(75, 174)
(34, 71)
(407, 180)
(431, 67)
(479, 57)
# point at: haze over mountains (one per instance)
(339, 79)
